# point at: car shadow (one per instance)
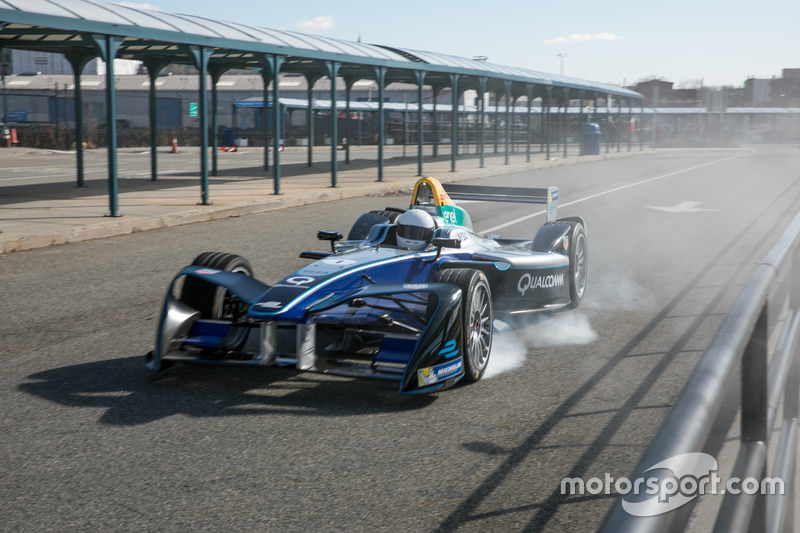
(131, 395)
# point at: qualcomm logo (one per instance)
(528, 282)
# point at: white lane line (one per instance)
(127, 173)
(610, 191)
(42, 176)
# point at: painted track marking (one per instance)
(610, 191)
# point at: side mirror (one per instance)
(446, 243)
(331, 236)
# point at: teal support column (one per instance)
(454, 123)
(420, 75)
(595, 113)
(566, 120)
(435, 118)
(78, 63)
(201, 54)
(542, 123)
(216, 74)
(275, 63)
(310, 81)
(641, 123)
(481, 120)
(153, 69)
(549, 97)
(630, 127)
(348, 86)
(266, 77)
(153, 103)
(153, 126)
(214, 126)
(495, 123)
(618, 123)
(79, 130)
(608, 123)
(108, 46)
(333, 73)
(380, 75)
(507, 87)
(528, 134)
(581, 94)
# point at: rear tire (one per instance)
(215, 302)
(578, 263)
(364, 224)
(391, 214)
(477, 318)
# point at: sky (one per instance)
(690, 43)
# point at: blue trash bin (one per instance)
(228, 137)
(590, 138)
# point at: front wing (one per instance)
(407, 333)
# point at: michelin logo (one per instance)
(435, 374)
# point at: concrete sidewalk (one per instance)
(36, 215)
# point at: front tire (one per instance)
(215, 302)
(477, 318)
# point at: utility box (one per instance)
(590, 138)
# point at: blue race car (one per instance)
(410, 295)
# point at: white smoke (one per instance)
(508, 353)
(560, 330)
(614, 292)
(509, 347)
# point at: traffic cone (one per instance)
(174, 145)
(14, 139)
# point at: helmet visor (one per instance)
(415, 233)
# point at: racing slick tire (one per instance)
(578, 262)
(477, 323)
(392, 214)
(361, 228)
(215, 302)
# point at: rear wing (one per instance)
(484, 193)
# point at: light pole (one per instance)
(561, 56)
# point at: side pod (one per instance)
(438, 353)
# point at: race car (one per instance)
(411, 295)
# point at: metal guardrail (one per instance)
(766, 380)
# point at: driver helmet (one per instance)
(415, 230)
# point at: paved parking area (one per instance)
(40, 204)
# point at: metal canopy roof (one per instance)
(70, 27)
(484, 68)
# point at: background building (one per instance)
(757, 92)
(785, 91)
